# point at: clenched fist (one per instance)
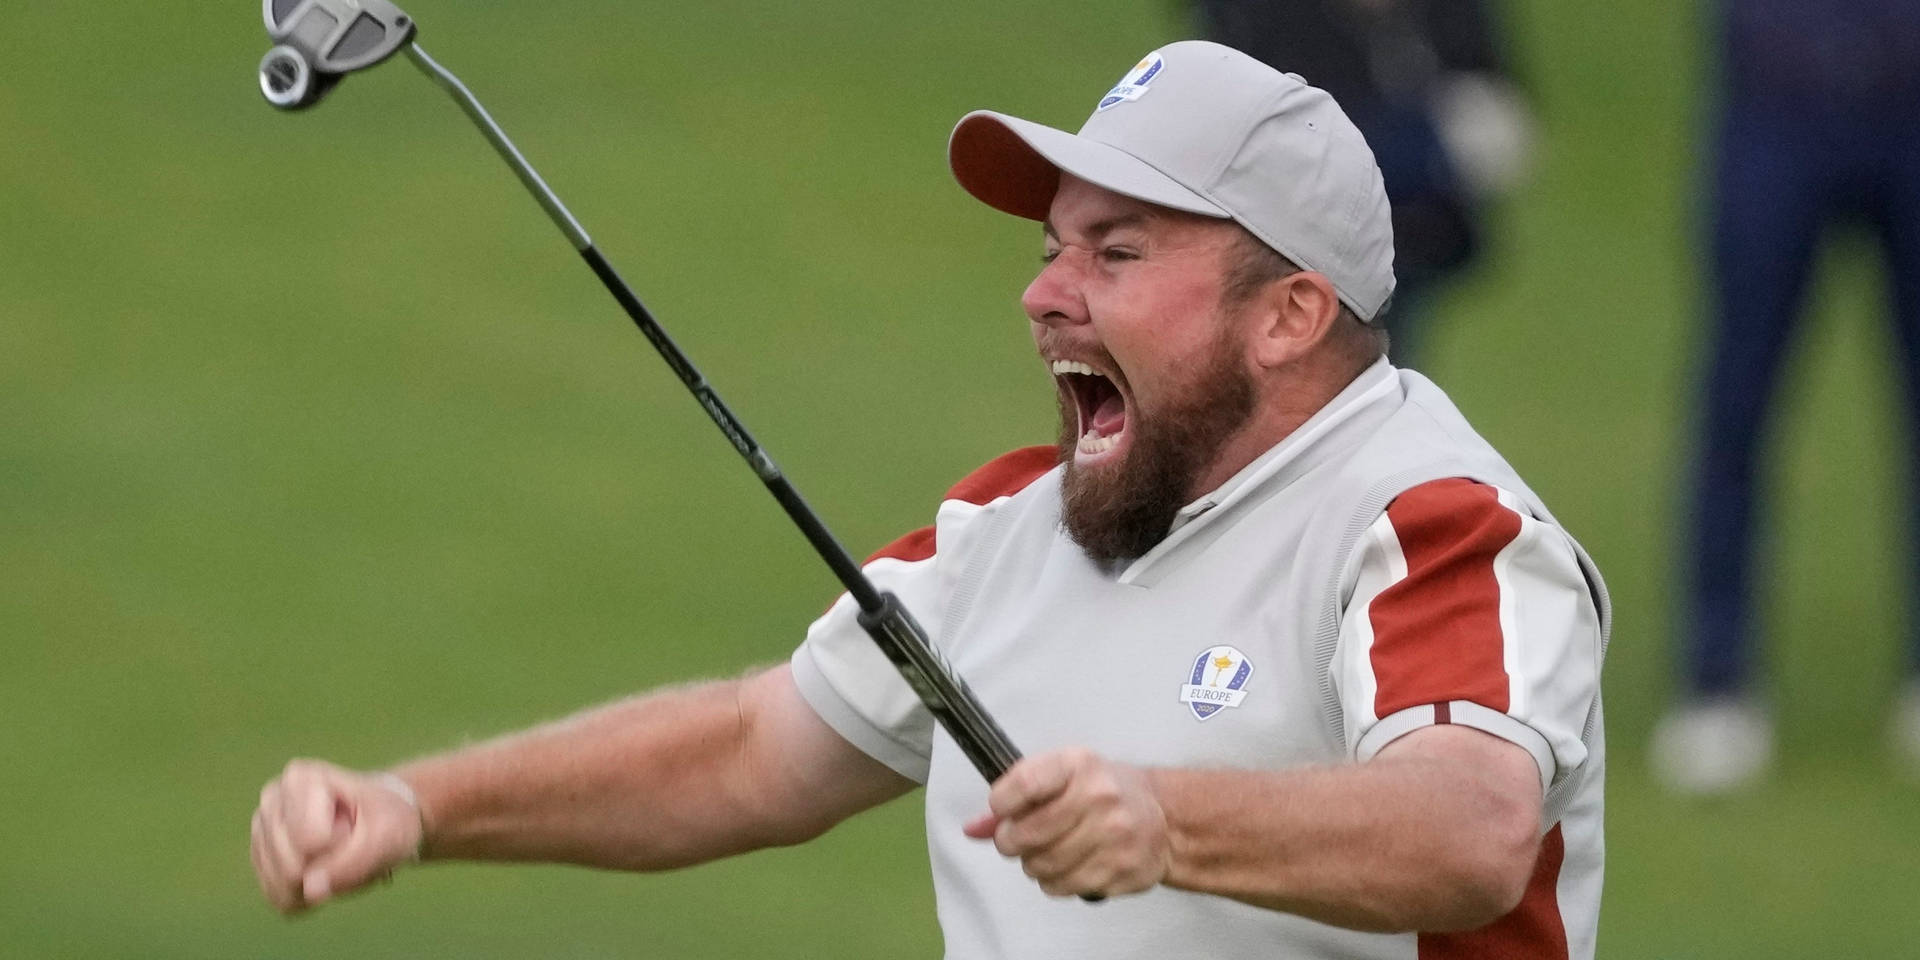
(1080, 824)
(321, 831)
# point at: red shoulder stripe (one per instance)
(1003, 476)
(1534, 930)
(1436, 633)
(916, 545)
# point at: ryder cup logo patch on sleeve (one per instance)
(1134, 85)
(1219, 679)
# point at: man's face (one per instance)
(1151, 367)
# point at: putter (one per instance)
(317, 42)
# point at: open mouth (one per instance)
(1103, 409)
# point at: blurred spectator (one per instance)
(1818, 124)
(1427, 82)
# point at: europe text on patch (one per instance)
(1218, 679)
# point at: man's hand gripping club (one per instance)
(1080, 824)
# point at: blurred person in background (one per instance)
(1429, 84)
(1818, 125)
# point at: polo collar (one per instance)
(1376, 385)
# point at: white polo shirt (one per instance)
(1378, 571)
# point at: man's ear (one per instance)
(1292, 316)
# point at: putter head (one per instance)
(316, 42)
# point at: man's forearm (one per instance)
(668, 779)
(1396, 844)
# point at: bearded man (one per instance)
(1306, 669)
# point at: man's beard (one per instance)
(1118, 511)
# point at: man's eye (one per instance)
(1049, 256)
(1118, 254)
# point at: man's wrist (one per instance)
(404, 790)
(1164, 785)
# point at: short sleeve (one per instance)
(1467, 609)
(852, 685)
(845, 677)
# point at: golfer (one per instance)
(1305, 668)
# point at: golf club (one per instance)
(317, 42)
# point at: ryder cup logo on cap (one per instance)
(1218, 679)
(1133, 86)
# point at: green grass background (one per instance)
(316, 440)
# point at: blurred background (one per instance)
(316, 439)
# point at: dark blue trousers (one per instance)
(1782, 175)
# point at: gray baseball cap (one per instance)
(1199, 127)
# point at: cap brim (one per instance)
(1014, 166)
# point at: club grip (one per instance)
(905, 643)
(947, 696)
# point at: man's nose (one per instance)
(1054, 297)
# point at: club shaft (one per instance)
(844, 567)
(882, 615)
(503, 145)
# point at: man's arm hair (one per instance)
(658, 781)
(676, 777)
(1439, 831)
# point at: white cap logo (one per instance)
(1134, 85)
